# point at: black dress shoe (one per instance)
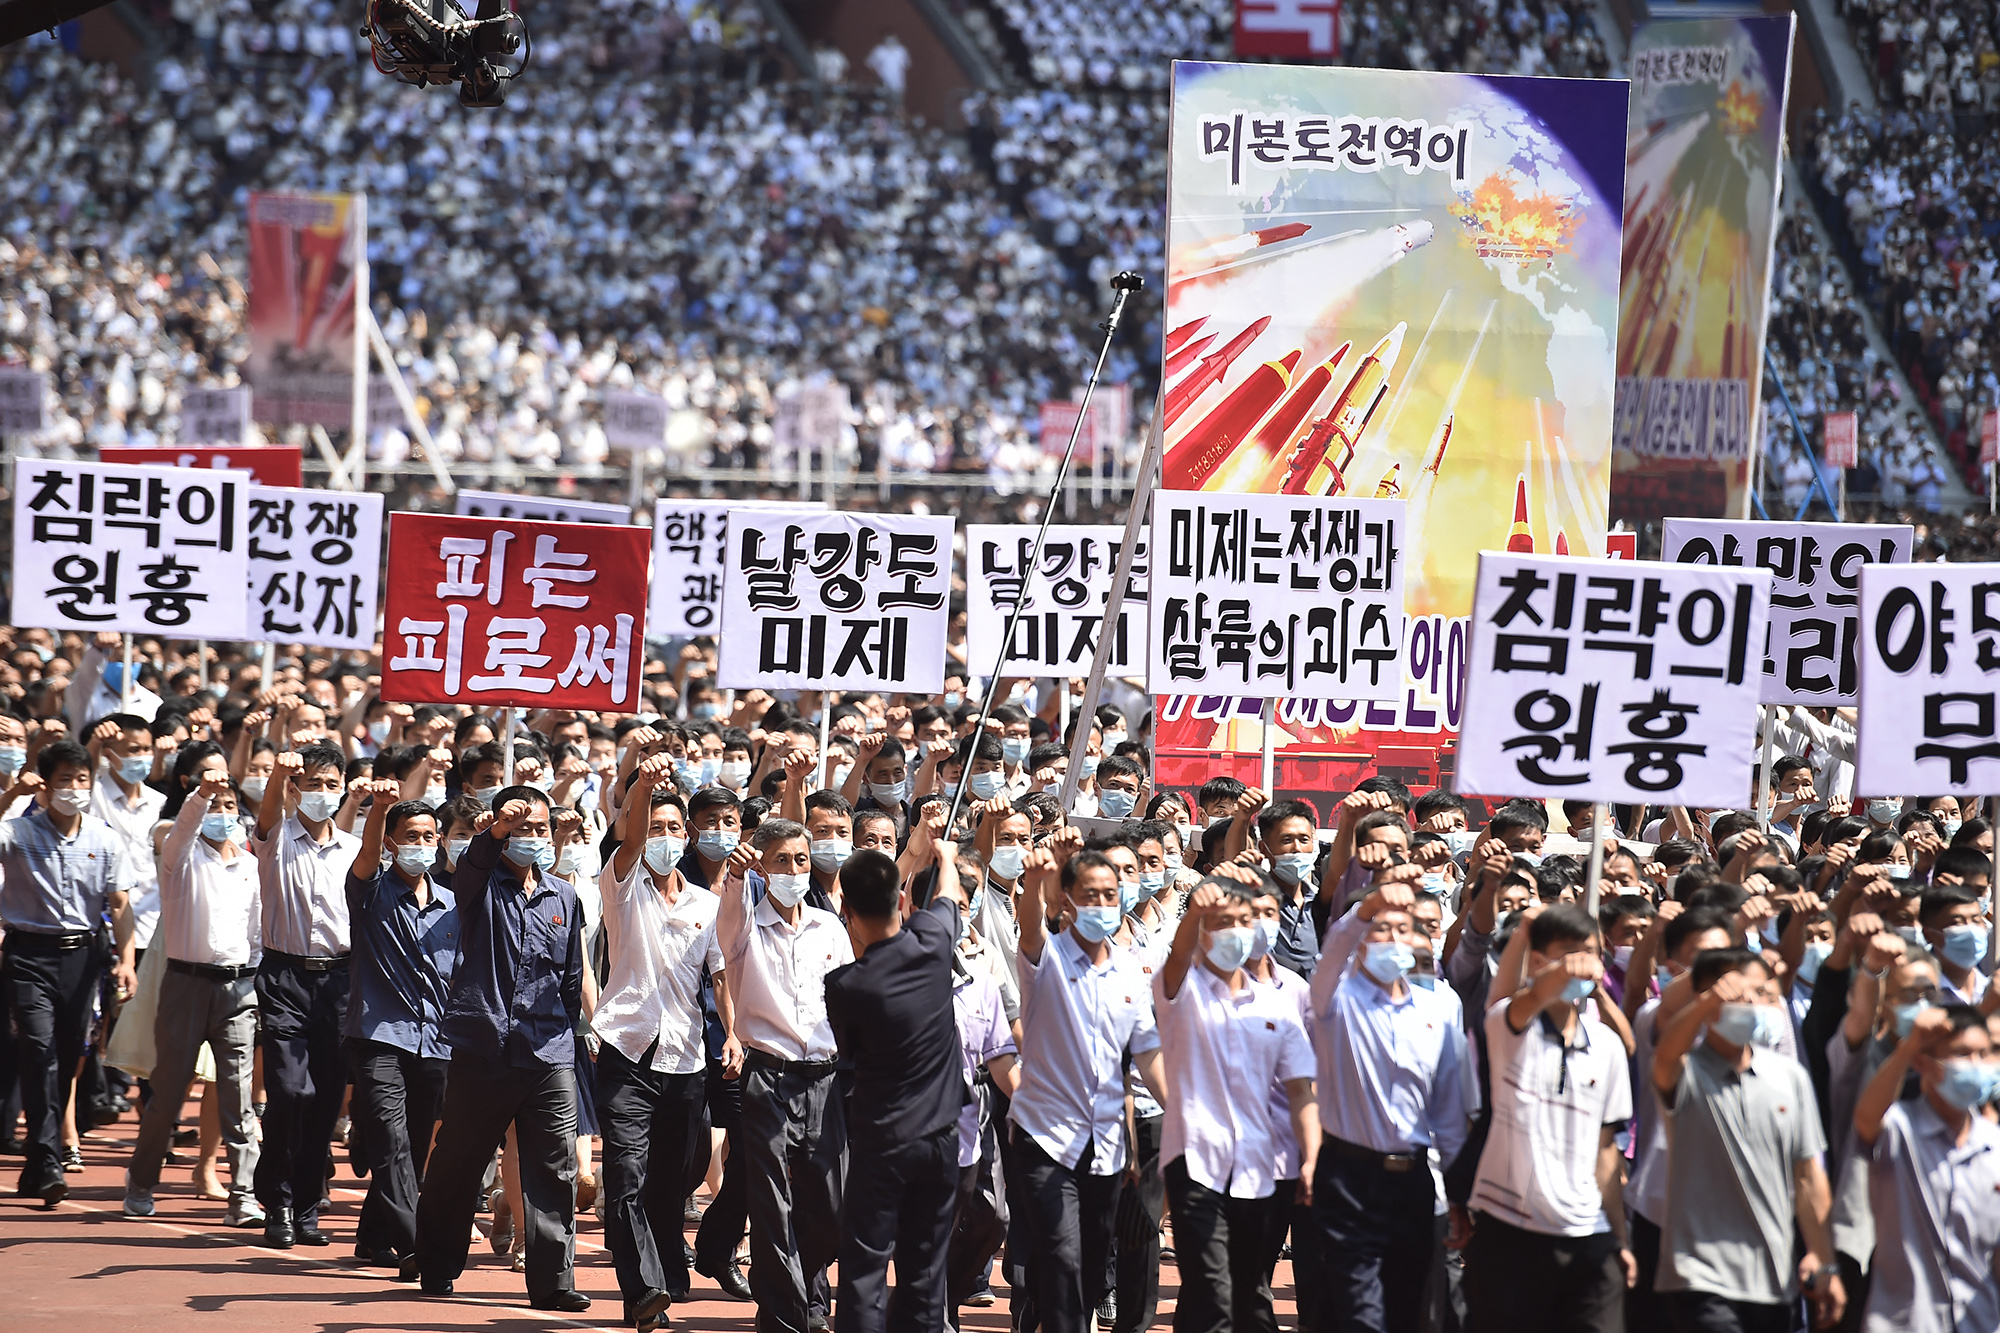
(54, 1191)
(308, 1233)
(13, 1146)
(569, 1301)
(730, 1278)
(407, 1271)
(650, 1313)
(278, 1233)
(437, 1286)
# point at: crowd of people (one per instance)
(925, 994)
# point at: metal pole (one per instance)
(1114, 605)
(357, 468)
(1993, 889)
(1126, 283)
(125, 685)
(270, 663)
(825, 726)
(1769, 717)
(1595, 871)
(507, 744)
(638, 479)
(805, 470)
(1270, 769)
(201, 661)
(1799, 434)
(409, 405)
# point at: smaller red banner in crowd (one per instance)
(1842, 439)
(268, 464)
(487, 611)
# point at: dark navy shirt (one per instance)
(399, 976)
(891, 1011)
(517, 992)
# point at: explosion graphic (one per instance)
(1741, 110)
(1504, 224)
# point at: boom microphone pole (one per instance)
(1126, 283)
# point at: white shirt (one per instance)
(779, 976)
(1551, 1101)
(134, 826)
(305, 889)
(657, 952)
(1299, 995)
(1222, 1052)
(211, 909)
(1077, 1019)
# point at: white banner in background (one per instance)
(1276, 596)
(837, 601)
(215, 416)
(1930, 670)
(634, 420)
(538, 508)
(1613, 681)
(1066, 598)
(1815, 569)
(690, 539)
(315, 566)
(145, 550)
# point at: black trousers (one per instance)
(398, 1096)
(728, 1215)
(792, 1137)
(480, 1101)
(48, 994)
(655, 1148)
(1646, 1309)
(1219, 1243)
(305, 1077)
(898, 1204)
(1699, 1312)
(1140, 1207)
(1377, 1233)
(1521, 1281)
(979, 1224)
(1285, 1215)
(1067, 1215)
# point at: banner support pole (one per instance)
(1768, 716)
(125, 683)
(1269, 771)
(357, 466)
(825, 730)
(201, 662)
(507, 744)
(1595, 872)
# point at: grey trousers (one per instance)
(194, 1010)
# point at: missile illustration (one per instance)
(1522, 538)
(1185, 332)
(1205, 448)
(1235, 247)
(1412, 235)
(1562, 542)
(1391, 484)
(1212, 368)
(1260, 466)
(1315, 468)
(1181, 360)
(1443, 443)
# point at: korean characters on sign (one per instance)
(1065, 597)
(541, 509)
(1930, 670)
(690, 545)
(1809, 650)
(493, 611)
(315, 566)
(836, 601)
(150, 550)
(1590, 683)
(1276, 596)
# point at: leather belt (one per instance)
(1388, 1161)
(765, 1060)
(37, 941)
(306, 964)
(211, 971)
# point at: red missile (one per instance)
(1260, 468)
(1562, 542)
(1181, 360)
(1185, 332)
(1212, 368)
(1235, 247)
(1522, 538)
(1205, 448)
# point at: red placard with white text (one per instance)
(1621, 545)
(267, 464)
(1989, 439)
(488, 611)
(1842, 435)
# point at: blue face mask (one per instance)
(1906, 1015)
(830, 854)
(663, 854)
(1578, 988)
(1229, 949)
(137, 768)
(1387, 960)
(1015, 748)
(1423, 980)
(1811, 960)
(1964, 945)
(1090, 763)
(1130, 894)
(1266, 932)
(415, 859)
(218, 827)
(716, 844)
(953, 700)
(886, 793)
(1007, 862)
(1115, 804)
(1745, 1024)
(12, 759)
(1968, 1084)
(484, 795)
(318, 805)
(1097, 923)
(1152, 881)
(1295, 867)
(537, 852)
(986, 786)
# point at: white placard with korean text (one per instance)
(23, 396)
(1613, 681)
(1066, 597)
(1930, 680)
(315, 566)
(634, 420)
(1809, 655)
(538, 508)
(1275, 596)
(690, 540)
(147, 550)
(837, 601)
(215, 416)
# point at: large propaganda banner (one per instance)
(1929, 716)
(487, 611)
(1702, 171)
(315, 565)
(1392, 285)
(690, 552)
(303, 270)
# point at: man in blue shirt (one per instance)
(404, 929)
(516, 996)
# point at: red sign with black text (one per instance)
(487, 611)
(267, 464)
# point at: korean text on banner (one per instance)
(1841, 431)
(24, 395)
(149, 550)
(267, 464)
(1929, 715)
(488, 611)
(1276, 596)
(1702, 170)
(214, 416)
(537, 508)
(303, 249)
(315, 566)
(634, 420)
(1628, 681)
(836, 601)
(690, 547)
(1808, 655)
(1066, 597)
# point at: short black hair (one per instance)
(403, 811)
(521, 791)
(1560, 923)
(1389, 787)
(1620, 907)
(709, 798)
(975, 748)
(1965, 862)
(1277, 812)
(868, 885)
(1712, 963)
(62, 752)
(319, 755)
(1510, 816)
(1436, 802)
(1082, 861)
(1936, 902)
(1219, 789)
(123, 721)
(1113, 766)
(1694, 921)
(828, 800)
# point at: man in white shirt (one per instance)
(302, 985)
(1225, 1038)
(210, 924)
(1084, 1004)
(121, 798)
(1392, 1081)
(652, 1069)
(1548, 1245)
(776, 952)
